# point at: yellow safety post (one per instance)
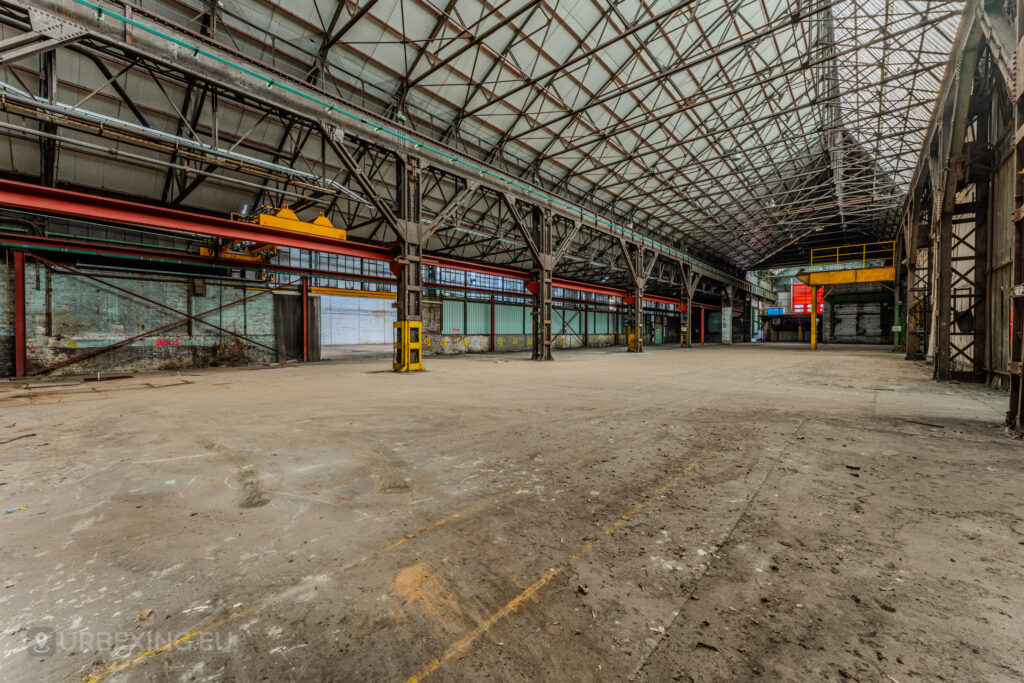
(814, 317)
(800, 332)
(408, 346)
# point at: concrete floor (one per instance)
(726, 513)
(355, 351)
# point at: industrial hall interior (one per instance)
(511, 340)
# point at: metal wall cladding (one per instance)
(478, 317)
(567, 321)
(453, 316)
(474, 317)
(510, 319)
(600, 323)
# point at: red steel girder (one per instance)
(49, 200)
(37, 198)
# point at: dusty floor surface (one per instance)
(743, 513)
(351, 351)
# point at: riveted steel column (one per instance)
(542, 276)
(305, 319)
(814, 317)
(408, 268)
(690, 282)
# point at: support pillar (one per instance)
(919, 297)
(493, 349)
(950, 150)
(541, 278)
(635, 318)
(538, 238)
(20, 336)
(690, 282)
(814, 317)
(688, 321)
(727, 301)
(408, 267)
(640, 270)
(1015, 362)
(702, 326)
(305, 319)
(48, 145)
(943, 297)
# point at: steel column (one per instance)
(1016, 361)
(492, 347)
(943, 298)
(945, 205)
(538, 238)
(639, 271)
(542, 278)
(305, 319)
(48, 145)
(635, 320)
(688, 342)
(408, 267)
(728, 297)
(814, 317)
(690, 280)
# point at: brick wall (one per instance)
(6, 321)
(68, 315)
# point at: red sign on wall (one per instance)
(802, 298)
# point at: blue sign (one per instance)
(776, 311)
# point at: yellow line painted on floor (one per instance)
(510, 607)
(189, 635)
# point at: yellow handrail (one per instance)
(854, 255)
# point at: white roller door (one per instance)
(356, 320)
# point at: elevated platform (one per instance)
(848, 276)
(846, 265)
(851, 264)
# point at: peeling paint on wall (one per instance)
(68, 315)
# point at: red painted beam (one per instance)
(18, 241)
(661, 299)
(79, 247)
(49, 200)
(39, 199)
